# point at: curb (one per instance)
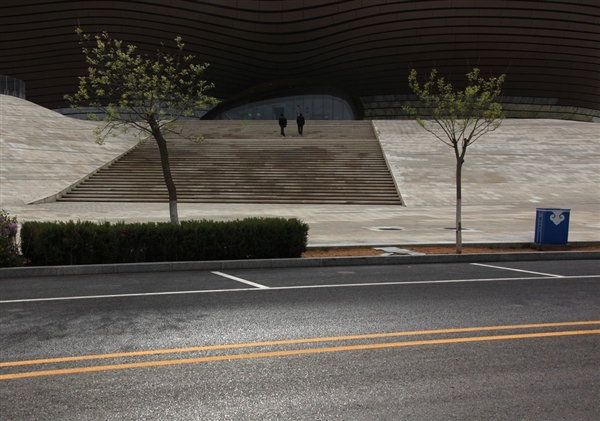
(515, 245)
(41, 271)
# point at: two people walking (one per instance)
(283, 124)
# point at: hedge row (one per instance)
(83, 243)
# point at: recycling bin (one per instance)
(552, 225)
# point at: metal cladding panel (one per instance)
(547, 49)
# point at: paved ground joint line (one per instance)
(518, 270)
(244, 281)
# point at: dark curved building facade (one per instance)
(550, 50)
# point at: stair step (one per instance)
(247, 162)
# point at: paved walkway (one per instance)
(524, 165)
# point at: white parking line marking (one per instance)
(518, 270)
(137, 294)
(244, 281)
(207, 291)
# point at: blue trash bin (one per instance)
(552, 225)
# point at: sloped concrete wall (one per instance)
(43, 152)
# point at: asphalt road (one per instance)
(504, 341)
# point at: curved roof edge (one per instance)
(287, 87)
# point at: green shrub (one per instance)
(9, 250)
(76, 243)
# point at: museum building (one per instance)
(329, 59)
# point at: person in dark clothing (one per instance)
(300, 121)
(282, 124)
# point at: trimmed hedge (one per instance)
(84, 243)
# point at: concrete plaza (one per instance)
(524, 165)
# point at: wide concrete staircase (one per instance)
(335, 162)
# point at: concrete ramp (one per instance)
(44, 153)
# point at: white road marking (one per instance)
(137, 294)
(244, 281)
(206, 291)
(518, 270)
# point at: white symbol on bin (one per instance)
(557, 217)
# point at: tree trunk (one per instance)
(459, 162)
(166, 167)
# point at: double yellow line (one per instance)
(305, 351)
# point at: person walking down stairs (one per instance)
(282, 124)
(300, 122)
